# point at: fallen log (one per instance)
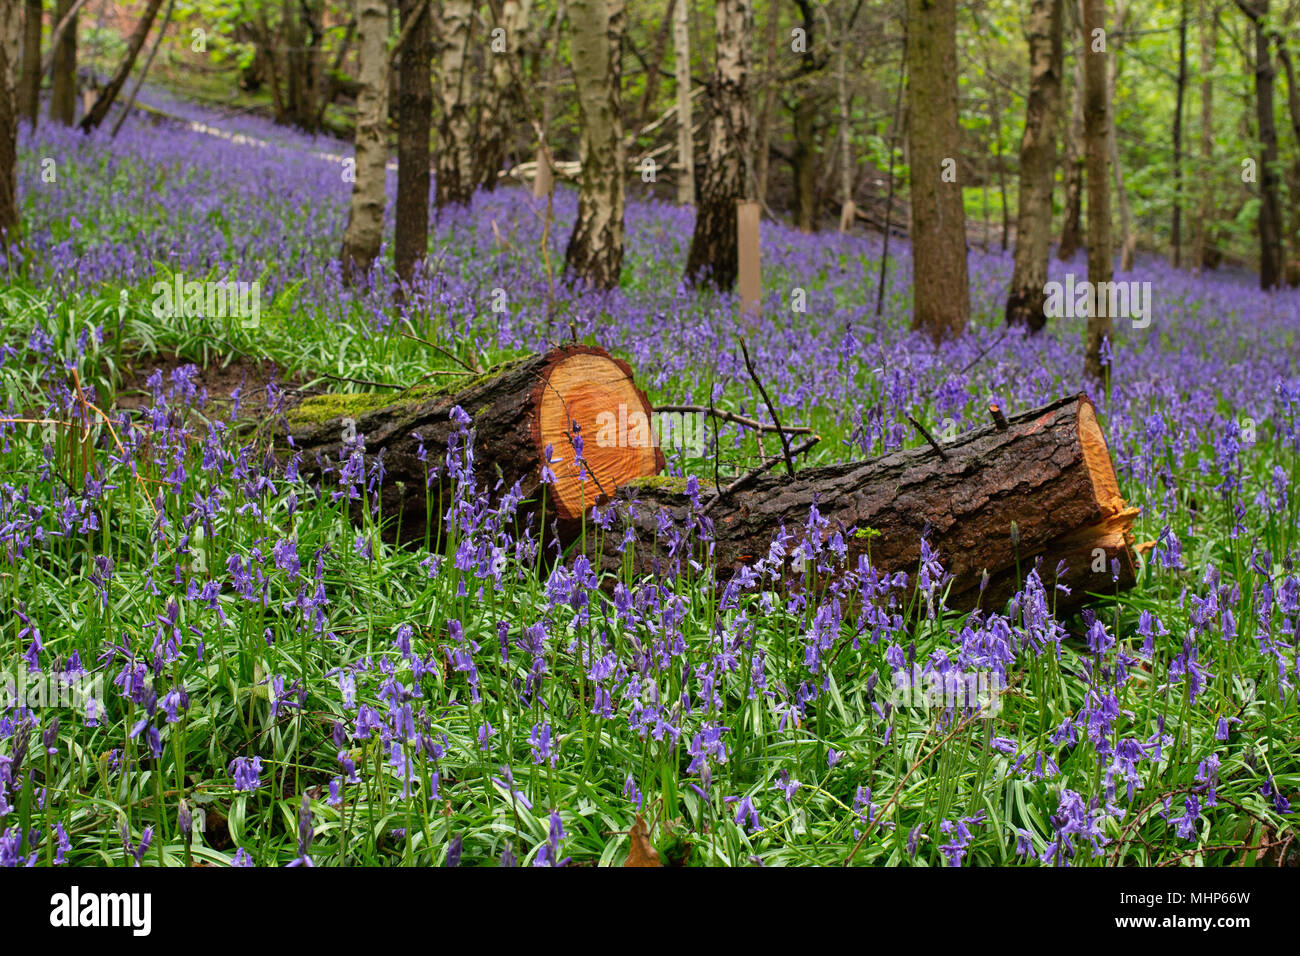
(1039, 484)
(517, 409)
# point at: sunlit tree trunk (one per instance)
(682, 73)
(454, 179)
(1127, 237)
(364, 232)
(1025, 301)
(595, 250)
(940, 285)
(714, 254)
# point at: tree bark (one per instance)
(682, 72)
(63, 81)
(501, 108)
(1176, 220)
(414, 123)
(1071, 224)
(454, 179)
(30, 94)
(1205, 203)
(1025, 302)
(1096, 121)
(1271, 272)
(519, 410)
(364, 232)
(104, 101)
(1127, 237)
(714, 253)
(1042, 486)
(595, 250)
(11, 42)
(940, 285)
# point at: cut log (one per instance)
(1048, 472)
(517, 409)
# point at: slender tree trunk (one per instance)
(714, 254)
(763, 143)
(655, 66)
(807, 110)
(848, 211)
(940, 285)
(414, 121)
(11, 41)
(144, 72)
(1096, 122)
(1293, 108)
(63, 81)
(1128, 239)
(1025, 302)
(364, 232)
(1270, 207)
(595, 250)
(30, 94)
(682, 70)
(1176, 221)
(454, 182)
(106, 97)
(1071, 226)
(1205, 204)
(500, 113)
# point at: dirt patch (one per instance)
(219, 379)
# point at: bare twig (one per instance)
(928, 437)
(749, 476)
(771, 409)
(733, 417)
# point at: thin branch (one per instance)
(771, 409)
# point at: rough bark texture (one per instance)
(414, 123)
(1037, 167)
(595, 250)
(517, 410)
(1127, 237)
(682, 72)
(454, 179)
(30, 95)
(1071, 231)
(1205, 189)
(1270, 206)
(104, 101)
(364, 232)
(1096, 147)
(1048, 473)
(11, 37)
(714, 256)
(63, 79)
(940, 283)
(502, 106)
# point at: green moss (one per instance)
(660, 482)
(323, 408)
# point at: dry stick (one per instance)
(438, 348)
(139, 80)
(785, 441)
(928, 437)
(749, 476)
(733, 417)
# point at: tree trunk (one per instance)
(682, 70)
(144, 71)
(940, 287)
(1096, 122)
(364, 232)
(807, 109)
(520, 410)
(1040, 486)
(30, 94)
(454, 180)
(1025, 302)
(1127, 237)
(1071, 225)
(414, 121)
(501, 108)
(595, 250)
(1205, 203)
(11, 42)
(714, 255)
(654, 67)
(63, 81)
(848, 211)
(1176, 221)
(1270, 208)
(104, 101)
(763, 135)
